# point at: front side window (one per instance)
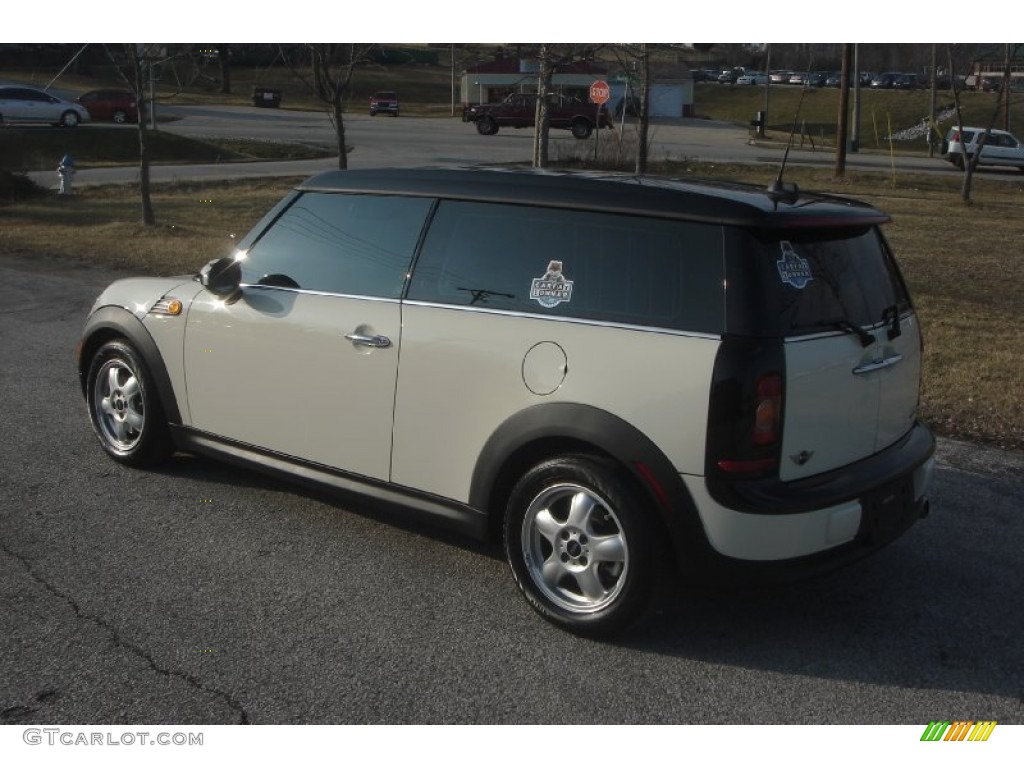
(339, 243)
(631, 270)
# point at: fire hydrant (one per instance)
(66, 170)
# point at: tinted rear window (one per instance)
(797, 283)
(621, 269)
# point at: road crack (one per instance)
(121, 642)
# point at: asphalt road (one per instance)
(201, 593)
(413, 142)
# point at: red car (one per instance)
(384, 101)
(111, 104)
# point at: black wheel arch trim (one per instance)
(111, 322)
(540, 431)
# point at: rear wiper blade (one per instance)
(866, 339)
(891, 315)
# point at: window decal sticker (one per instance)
(552, 289)
(792, 268)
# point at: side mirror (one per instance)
(221, 277)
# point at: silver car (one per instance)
(22, 104)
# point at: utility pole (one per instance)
(855, 130)
(767, 82)
(931, 110)
(844, 108)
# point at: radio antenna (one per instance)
(777, 185)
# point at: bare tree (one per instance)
(332, 67)
(540, 139)
(133, 62)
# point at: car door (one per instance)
(303, 362)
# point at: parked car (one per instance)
(519, 110)
(885, 80)
(834, 80)
(1001, 148)
(607, 374)
(798, 78)
(752, 78)
(23, 104)
(113, 104)
(817, 79)
(906, 82)
(780, 76)
(729, 76)
(384, 101)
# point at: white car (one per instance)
(22, 104)
(1001, 148)
(610, 375)
(752, 78)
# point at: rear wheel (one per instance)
(580, 545)
(581, 128)
(487, 126)
(124, 406)
(120, 116)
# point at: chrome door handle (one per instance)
(877, 365)
(377, 342)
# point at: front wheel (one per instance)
(581, 128)
(580, 545)
(120, 116)
(124, 406)
(69, 119)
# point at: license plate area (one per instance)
(888, 511)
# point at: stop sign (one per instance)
(600, 92)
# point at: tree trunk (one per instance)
(225, 68)
(844, 110)
(339, 129)
(541, 120)
(645, 110)
(139, 74)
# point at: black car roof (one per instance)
(691, 199)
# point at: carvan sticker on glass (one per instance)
(792, 268)
(552, 289)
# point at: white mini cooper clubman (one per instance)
(607, 374)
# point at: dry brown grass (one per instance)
(964, 264)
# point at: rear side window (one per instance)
(339, 243)
(620, 269)
(811, 280)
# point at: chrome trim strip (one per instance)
(564, 319)
(319, 293)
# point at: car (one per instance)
(617, 378)
(798, 78)
(780, 76)
(1001, 148)
(519, 110)
(729, 76)
(906, 81)
(834, 80)
(23, 104)
(818, 79)
(885, 80)
(752, 78)
(117, 105)
(384, 101)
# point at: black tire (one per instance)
(580, 545)
(487, 126)
(958, 161)
(70, 119)
(124, 406)
(581, 128)
(120, 116)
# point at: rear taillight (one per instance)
(746, 410)
(768, 412)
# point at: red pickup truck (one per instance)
(519, 110)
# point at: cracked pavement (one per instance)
(201, 593)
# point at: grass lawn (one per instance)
(964, 265)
